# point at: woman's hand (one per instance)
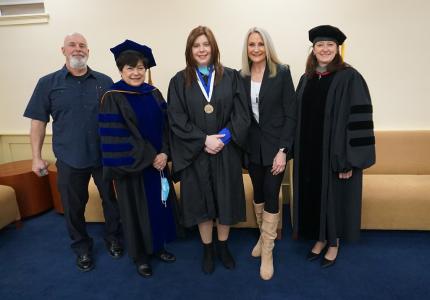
(213, 144)
(279, 163)
(345, 175)
(160, 161)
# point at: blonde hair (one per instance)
(271, 56)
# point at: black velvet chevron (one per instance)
(361, 109)
(362, 141)
(360, 125)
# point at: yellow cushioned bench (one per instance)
(396, 190)
(9, 211)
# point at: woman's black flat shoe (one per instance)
(325, 263)
(313, 256)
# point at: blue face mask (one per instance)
(165, 188)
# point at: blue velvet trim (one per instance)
(114, 132)
(120, 147)
(118, 162)
(111, 118)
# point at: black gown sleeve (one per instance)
(240, 118)
(186, 139)
(355, 140)
(165, 148)
(124, 151)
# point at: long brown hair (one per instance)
(190, 69)
(335, 65)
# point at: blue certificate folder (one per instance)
(227, 137)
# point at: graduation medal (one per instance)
(207, 89)
(208, 108)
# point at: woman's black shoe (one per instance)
(225, 255)
(325, 263)
(311, 256)
(144, 270)
(208, 266)
(165, 256)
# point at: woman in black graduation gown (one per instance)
(271, 101)
(209, 121)
(135, 148)
(334, 143)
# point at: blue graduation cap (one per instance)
(130, 45)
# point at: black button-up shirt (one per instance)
(73, 104)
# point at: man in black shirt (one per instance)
(71, 97)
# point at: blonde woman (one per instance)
(271, 102)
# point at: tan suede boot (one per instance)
(258, 209)
(268, 236)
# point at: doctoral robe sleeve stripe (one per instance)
(363, 141)
(108, 118)
(120, 132)
(361, 109)
(120, 147)
(118, 162)
(361, 125)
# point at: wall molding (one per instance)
(15, 147)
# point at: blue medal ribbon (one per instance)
(206, 86)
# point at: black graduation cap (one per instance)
(326, 32)
(130, 45)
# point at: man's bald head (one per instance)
(76, 51)
(75, 36)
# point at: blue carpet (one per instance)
(37, 263)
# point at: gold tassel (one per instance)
(342, 50)
(149, 77)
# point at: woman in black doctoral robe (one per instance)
(135, 148)
(334, 143)
(209, 121)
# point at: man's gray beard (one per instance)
(78, 62)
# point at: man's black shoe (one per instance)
(165, 256)
(115, 248)
(84, 262)
(144, 270)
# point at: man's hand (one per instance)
(40, 167)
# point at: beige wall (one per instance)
(384, 39)
(15, 147)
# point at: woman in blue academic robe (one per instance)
(135, 149)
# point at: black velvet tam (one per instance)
(326, 33)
